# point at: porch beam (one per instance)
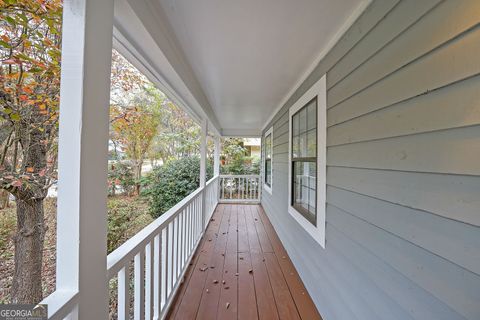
(241, 133)
(83, 151)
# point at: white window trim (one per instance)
(319, 89)
(267, 188)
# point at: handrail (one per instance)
(118, 256)
(211, 180)
(60, 303)
(145, 235)
(239, 176)
(161, 253)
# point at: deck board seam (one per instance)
(249, 254)
(264, 221)
(278, 263)
(263, 262)
(214, 247)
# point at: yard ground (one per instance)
(127, 215)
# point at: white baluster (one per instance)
(149, 281)
(123, 294)
(139, 310)
(172, 256)
(157, 284)
(167, 259)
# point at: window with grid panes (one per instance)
(304, 161)
(268, 160)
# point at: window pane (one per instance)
(297, 168)
(312, 114)
(296, 193)
(268, 172)
(304, 188)
(312, 143)
(312, 173)
(295, 126)
(312, 186)
(299, 198)
(295, 147)
(312, 201)
(303, 145)
(268, 146)
(303, 120)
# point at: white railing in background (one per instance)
(240, 188)
(153, 261)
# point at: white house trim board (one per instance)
(267, 188)
(319, 90)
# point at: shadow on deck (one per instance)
(241, 271)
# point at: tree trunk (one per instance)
(29, 241)
(138, 175)
(114, 184)
(4, 199)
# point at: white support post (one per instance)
(203, 166)
(203, 154)
(216, 157)
(83, 148)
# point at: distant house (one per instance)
(253, 146)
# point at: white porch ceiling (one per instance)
(250, 55)
(234, 62)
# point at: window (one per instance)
(268, 155)
(307, 161)
(304, 161)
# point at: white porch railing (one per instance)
(240, 188)
(158, 256)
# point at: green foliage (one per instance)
(178, 134)
(29, 95)
(167, 185)
(235, 159)
(126, 216)
(121, 174)
(254, 167)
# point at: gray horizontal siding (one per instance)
(403, 175)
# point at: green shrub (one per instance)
(242, 165)
(254, 167)
(126, 216)
(167, 185)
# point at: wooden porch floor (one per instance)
(241, 271)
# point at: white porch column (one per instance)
(203, 166)
(203, 154)
(82, 160)
(216, 157)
